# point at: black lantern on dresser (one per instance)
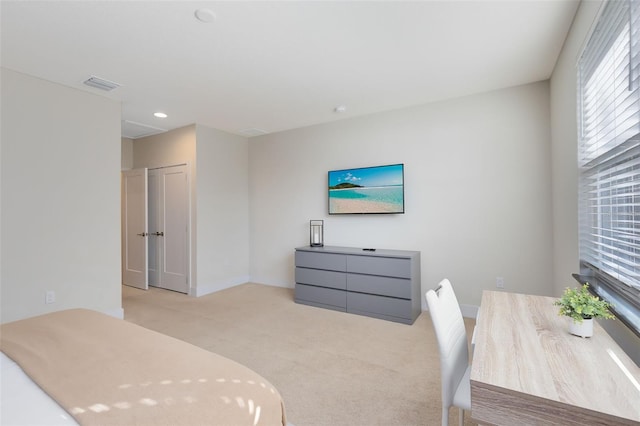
(316, 233)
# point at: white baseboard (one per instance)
(209, 288)
(468, 311)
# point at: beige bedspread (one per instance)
(106, 371)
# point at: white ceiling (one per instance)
(275, 66)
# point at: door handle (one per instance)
(159, 234)
(144, 234)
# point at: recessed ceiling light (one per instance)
(340, 109)
(205, 15)
(160, 114)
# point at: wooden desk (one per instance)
(528, 370)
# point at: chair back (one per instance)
(452, 338)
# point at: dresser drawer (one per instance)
(379, 305)
(387, 266)
(321, 278)
(330, 261)
(320, 296)
(384, 286)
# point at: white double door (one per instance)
(155, 228)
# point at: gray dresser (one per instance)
(382, 284)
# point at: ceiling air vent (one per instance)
(101, 83)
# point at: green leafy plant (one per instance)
(579, 304)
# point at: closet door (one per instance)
(134, 228)
(168, 228)
(154, 227)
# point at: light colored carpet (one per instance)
(331, 368)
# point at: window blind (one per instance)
(610, 225)
(609, 149)
(609, 76)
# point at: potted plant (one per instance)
(582, 307)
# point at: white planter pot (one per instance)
(583, 329)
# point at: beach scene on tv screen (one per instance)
(367, 190)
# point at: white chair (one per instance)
(454, 353)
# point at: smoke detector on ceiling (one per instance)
(205, 15)
(101, 83)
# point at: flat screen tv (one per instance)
(373, 190)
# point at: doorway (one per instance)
(156, 228)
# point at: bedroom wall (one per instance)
(564, 139)
(166, 149)
(60, 198)
(564, 148)
(126, 147)
(222, 209)
(477, 185)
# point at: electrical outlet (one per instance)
(500, 282)
(50, 297)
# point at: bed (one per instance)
(88, 368)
